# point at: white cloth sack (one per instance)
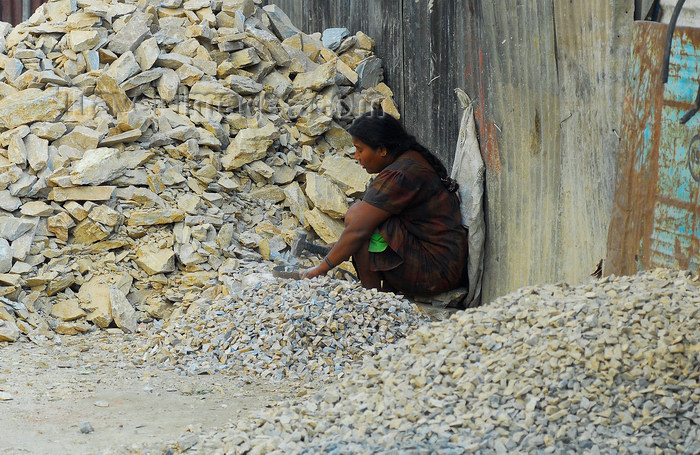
(468, 170)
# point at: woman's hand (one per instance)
(313, 272)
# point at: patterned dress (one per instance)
(427, 245)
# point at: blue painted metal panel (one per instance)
(656, 216)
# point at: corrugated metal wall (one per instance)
(15, 11)
(547, 77)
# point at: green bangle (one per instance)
(328, 261)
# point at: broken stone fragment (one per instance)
(123, 313)
(83, 193)
(141, 80)
(189, 256)
(154, 217)
(245, 7)
(67, 310)
(126, 137)
(33, 105)
(250, 144)
(370, 73)
(9, 331)
(318, 79)
(5, 256)
(272, 44)
(16, 151)
(339, 138)
(194, 5)
(83, 40)
(244, 58)
(131, 35)
(296, 199)
(12, 228)
(314, 125)
(214, 94)
(136, 119)
(75, 210)
(97, 166)
(88, 232)
(155, 260)
(325, 195)
(81, 138)
(347, 72)
(59, 225)
(278, 84)
(350, 177)
(94, 297)
(327, 228)
(244, 85)
(13, 69)
(36, 208)
(266, 193)
(147, 53)
(282, 25)
(59, 283)
(24, 186)
(23, 245)
(109, 90)
(8, 202)
(37, 151)
(6, 90)
(72, 328)
(188, 203)
(332, 37)
(168, 85)
(189, 74)
(105, 215)
(11, 279)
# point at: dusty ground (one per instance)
(50, 389)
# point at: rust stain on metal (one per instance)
(493, 154)
(487, 130)
(656, 214)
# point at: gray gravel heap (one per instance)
(284, 328)
(610, 367)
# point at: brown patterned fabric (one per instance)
(427, 251)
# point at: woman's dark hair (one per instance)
(379, 129)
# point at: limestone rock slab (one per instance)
(97, 166)
(155, 260)
(68, 310)
(154, 217)
(325, 195)
(33, 105)
(327, 228)
(123, 313)
(350, 177)
(250, 144)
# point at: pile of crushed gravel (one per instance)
(283, 328)
(609, 367)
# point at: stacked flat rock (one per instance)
(283, 328)
(611, 367)
(144, 145)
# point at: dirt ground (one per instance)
(50, 389)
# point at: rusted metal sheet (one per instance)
(656, 216)
(15, 11)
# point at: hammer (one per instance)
(300, 244)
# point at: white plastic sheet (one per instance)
(468, 170)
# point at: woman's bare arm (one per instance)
(358, 230)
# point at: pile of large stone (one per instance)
(310, 329)
(145, 145)
(607, 367)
